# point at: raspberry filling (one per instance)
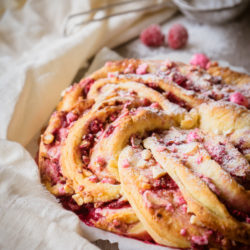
(51, 166)
(227, 158)
(174, 99)
(89, 213)
(86, 85)
(162, 193)
(97, 127)
(224, 154)
(94, 215)
(196, 79)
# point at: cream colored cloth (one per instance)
(36, 63)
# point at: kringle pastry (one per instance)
(155, 150)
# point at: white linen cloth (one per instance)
(36, 64)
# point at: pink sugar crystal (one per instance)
(108, 64)
(199, 159)
(170, 64)
(183, 232)
(125, 164)
(155, 105)
(142, 69)
(201, 60)
(113, 74)
(101, 161)
(169, 207)
(130, 69)
(193, 136)
(200, 240)
(61, 191)
(180, 200)
(184, 208)
(93, 179)
(161, 148)
(108, 180)
(177, 36)
(152, 36)
(239, 99)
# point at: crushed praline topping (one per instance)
(193, 136)
(113, 74)
(183, 232)
(125, 163)
(239, 99)
(200, 59)
(200, 240)
(142, 69)
(129, 69)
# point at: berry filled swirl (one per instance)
(154, 150)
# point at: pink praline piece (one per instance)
(183, 232)
(142, 69)
(239, 99)
(125, 164)
(201, 60)
(130, 69)
(200, 240)
(108, 180)
(93, 178)
(193, 136)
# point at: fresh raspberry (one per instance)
(177, 36)
(200, 60)
(238, 98)
(152, 36)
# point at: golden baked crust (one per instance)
(228, 75)
(106, 152)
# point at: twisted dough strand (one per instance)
(137, 152)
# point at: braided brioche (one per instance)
(154, 150)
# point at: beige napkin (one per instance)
(36, 63)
